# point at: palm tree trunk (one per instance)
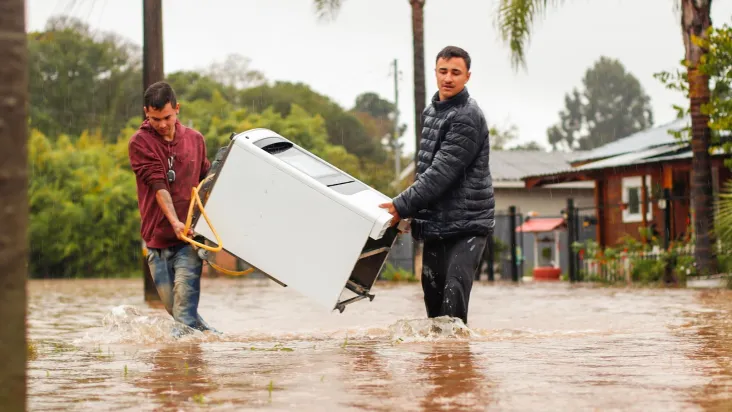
(14, 209)
(419, 81)
(695, 20)
(419, 101)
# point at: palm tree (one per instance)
(14, 209)
(328, 9)
(514, 22)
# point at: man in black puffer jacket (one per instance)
(451, 200)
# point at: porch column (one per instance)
(556, 249)
(668, 185)
(600, 186)
(644, 206)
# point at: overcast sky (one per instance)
(353, 54)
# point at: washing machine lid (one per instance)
(299, 158)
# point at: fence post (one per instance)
(667, 219)
(577, 234)
(514, 258)
(520, 241)
(571, 216)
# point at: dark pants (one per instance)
(448, 270)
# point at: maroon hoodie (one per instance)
(149, 154)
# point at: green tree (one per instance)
(84, 218)
(343, 128)
(718, 67)
(190, 86)
(80, 80)
(378, 116)
(218, 118)
(515, 19)
(228, 78)
(380, 130)
(612, 105)
(374, 105)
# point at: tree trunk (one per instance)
(419, 81)
(695, 20)
(14, 203)
(419, 101)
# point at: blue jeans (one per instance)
(176, 272)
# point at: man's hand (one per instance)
(179, 227)
(392, 210)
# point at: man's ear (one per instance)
(468, 77)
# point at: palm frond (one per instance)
(514, 19)
(327, 9)
(724, 218)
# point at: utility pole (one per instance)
(420, 100)
(13, 203)
(395, 140)
(152, 58)
(152, 71)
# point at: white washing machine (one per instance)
(303, 222)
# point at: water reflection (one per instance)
(456, 381)
(440, 375)
(713, 329)
(178, 375)
(367, 373)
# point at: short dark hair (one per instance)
(158, 95)
(453, 51)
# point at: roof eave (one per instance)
(564, 177)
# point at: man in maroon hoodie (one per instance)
(169, 159)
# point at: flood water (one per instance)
(99, 346)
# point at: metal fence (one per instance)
(524, 245)
(504, 254)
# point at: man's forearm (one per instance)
(166, 205)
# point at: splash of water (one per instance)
(126, 324)
(435, 329)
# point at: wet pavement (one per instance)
(541, 346)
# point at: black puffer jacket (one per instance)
(453, 191)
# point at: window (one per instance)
(307, 164)
(313, 167)
(632, 198)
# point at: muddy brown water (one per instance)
(98, 346)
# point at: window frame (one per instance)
(635, 182)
